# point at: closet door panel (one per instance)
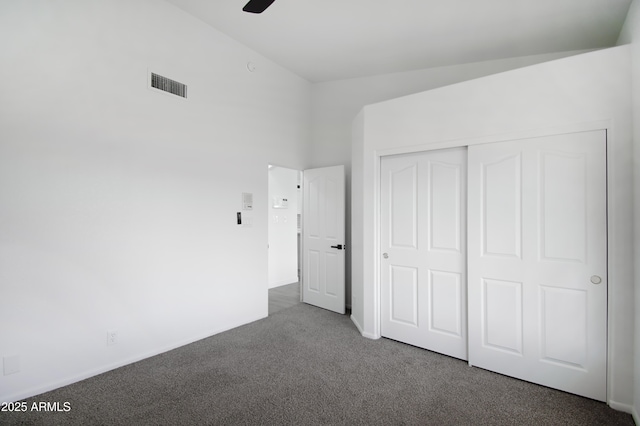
(423, 238)
(537, 287)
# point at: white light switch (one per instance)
(247, 201)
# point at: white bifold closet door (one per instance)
(537, 260)
(423, 246)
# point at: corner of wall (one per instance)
(630, 34)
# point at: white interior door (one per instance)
(423, 241)
(323, 258)
(537, 260)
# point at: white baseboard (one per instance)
(40, 389)
(280, 283)
(362, 332)
(636, 417)
(355, 321)
(625, 408)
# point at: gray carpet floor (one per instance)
(283, 297)
(305, 366)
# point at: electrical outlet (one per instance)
(112, 337)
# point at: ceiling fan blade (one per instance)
(257, 6)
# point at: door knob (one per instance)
(385, 255)
(596, 279)
(339, 247)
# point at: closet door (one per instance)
(537, 260)
(423, 246)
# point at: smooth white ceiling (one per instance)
(323, 40)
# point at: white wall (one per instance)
(283, 227)
(581, 92)
(631, 34)
(335, 104)
(118, 203)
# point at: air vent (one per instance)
(167, 85)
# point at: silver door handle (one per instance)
(596, 279)
(385, 255)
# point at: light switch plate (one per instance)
(247, 201)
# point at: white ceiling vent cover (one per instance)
(167, 85)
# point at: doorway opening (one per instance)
(307, 234)
(284, 210)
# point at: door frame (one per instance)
(606, 125)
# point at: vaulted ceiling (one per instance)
(324, 40)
